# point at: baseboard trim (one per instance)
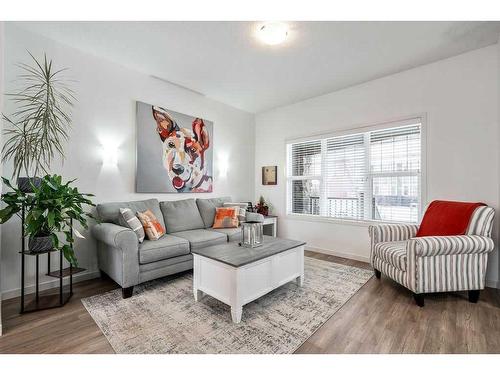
(489, 283)
(13, 293)
(340, 254)
(493, 284)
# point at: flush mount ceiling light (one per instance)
(273, 33)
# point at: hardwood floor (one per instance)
(68, 329)
(380, 318)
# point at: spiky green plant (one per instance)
(36, 131)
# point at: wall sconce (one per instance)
(223, 164)
(109, 154)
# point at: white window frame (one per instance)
(402, 121)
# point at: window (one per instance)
(373, 174)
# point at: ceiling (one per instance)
(225, 62)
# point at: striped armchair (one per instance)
(435, 263)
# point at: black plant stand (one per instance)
(38, 302)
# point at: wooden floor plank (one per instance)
(380, 318)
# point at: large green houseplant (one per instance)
(34, 136)
(49, 211)
(36, 131)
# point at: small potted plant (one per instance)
(36, 131)
(49, 211)
(262, 207)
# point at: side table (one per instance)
(270, 225)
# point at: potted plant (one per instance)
(49, 211)
(262, 207)
(35, 132)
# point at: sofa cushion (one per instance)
(233, 234)
(181, 215)
(164, 248)
(199, 238)
(165, 262)
(393, 253)
(207, 208)
(110, 212)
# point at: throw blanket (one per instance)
(447, 218)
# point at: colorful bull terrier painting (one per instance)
(174, 151)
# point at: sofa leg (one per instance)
(127, 292)
(473, 296)
(377, 273)
(419, 299)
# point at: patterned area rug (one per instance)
(162, 316)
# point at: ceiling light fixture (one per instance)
(273, 33)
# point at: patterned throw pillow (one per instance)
(241, 209)
(226, 217)
(129, 220)
(152, 226)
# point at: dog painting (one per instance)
(174, 151)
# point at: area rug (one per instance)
(162, 316)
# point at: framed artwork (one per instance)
(174, 151)
(270, 175)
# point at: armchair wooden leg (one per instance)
(127, 292)
(473, 296)
(419, 299)
(377, 273)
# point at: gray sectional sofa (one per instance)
(188, 224)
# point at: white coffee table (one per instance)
(237, 275)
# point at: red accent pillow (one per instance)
(447, 218)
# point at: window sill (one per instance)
(331, 220)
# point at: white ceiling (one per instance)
(224, 60)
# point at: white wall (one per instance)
(1, 109)
(497, 258)
(105, 111)
(459, 96)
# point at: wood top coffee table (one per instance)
(237, 275)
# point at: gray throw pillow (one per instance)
(129, 220)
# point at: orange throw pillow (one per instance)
(151, 225)
(226, 217)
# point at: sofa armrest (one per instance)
(450, 245)
(391, 232)
(116, 236)
(118, 253)
(253, 216)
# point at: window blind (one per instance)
(373, 175)
(395, 149)
(306, 169)
(395, 168)
(345, 176)
(306, 159)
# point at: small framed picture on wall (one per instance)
(270, 175)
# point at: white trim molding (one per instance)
(493, 284)
(361, 258)
(50, 284)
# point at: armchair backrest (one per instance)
(481, 222)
